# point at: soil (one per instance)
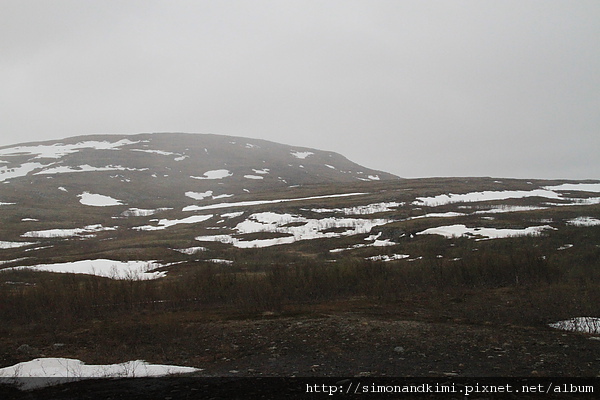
(373, 341)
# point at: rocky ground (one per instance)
(374, 341)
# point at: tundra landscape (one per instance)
(220, 256)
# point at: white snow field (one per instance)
(119, 270)
(214, 174)
(261, 202)
(166, 223)
(362, 210)
(386, 258)
(579, 324)
(98, 200)
(301, 154)
(549, 192)
(14, 245)
(584, 221)
(55, 371)
(87, 231)
(296, 227)
(16, 172)
(84, 168)
(458, 230)
(59, 150)
(141, 212)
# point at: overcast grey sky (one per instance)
(414, 87)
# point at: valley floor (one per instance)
(424, 336)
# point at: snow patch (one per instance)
(167, 223)
(386, 258)
(14, 245)
(579, 324)
(261, 202)
(214, 174)
(59, 150)
(141, 212)
(296, 227)
(55, 371)
(361, 210)
(199, 196)
(191, 250)
(119, 270)
(301, 154)
(98, 200)
(458, 230)
(17, 172)
(584, 221)
(87, 231)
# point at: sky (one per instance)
(418, 88)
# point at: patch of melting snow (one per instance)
(160, 152)
(233, 214)
(222, 196)
(458, 230)
(14, 245)
(98, 200)
(214, 174)
(255, 177)
(87, 231)
(29, 220)
(6, 204)
(362, 210)
(199, 196)
(119, 270)
(59, 150)
(438, 215)
(17, 172)
(376, 243)
(220, 261)
(141, 212)
(55, 371)
(301, 154)
(167, 223)
(263, 171)
(261, 202)
(443, 199)
(508, 209)
(191, 250)
(4, 262)
(584, 221)
(564, 247)
(386, 258)
(297, 227)
(579, 324)
(84, 168)
(549, 192)
(578, 187)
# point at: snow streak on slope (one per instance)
(260, 202)
(60, 150)
(549, 192)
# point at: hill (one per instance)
(169, 235)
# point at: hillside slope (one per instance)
(134, 168)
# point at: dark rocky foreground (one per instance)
(342, 349)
